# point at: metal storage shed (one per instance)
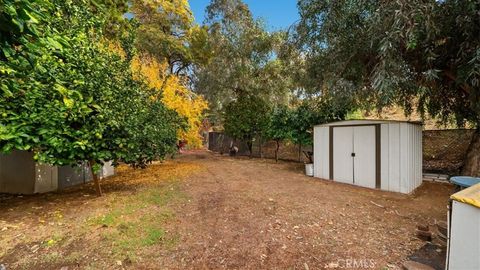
(378, 154)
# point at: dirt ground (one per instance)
(206, 211)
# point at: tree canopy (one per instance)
(243, 61)
(167, 32)
(67, 96)
(421, 55)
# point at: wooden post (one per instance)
(96, 181)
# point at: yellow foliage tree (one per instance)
(169, 42)
(187, 104)
(175, 94)
(147, 68)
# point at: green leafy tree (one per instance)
(67, 97)
(279, 128)
(244, 58)
(167, 31)
(302, 123)
(422, 55)
(246, 119)
(315, 112)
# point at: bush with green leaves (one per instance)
(247, 118)
(279, 128)
(315, 112)
(67, 97)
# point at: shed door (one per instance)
(364, 147)
(354, 155)
(342, 154)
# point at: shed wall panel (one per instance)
(364, 143)
(413, 170)
(417, 159)
(407, 158)
(385, 164)
(321, 152)
(419, 156)
(343, 163)
(394, 157)
(404, 155)
(411, 158)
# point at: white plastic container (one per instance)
(309, 169)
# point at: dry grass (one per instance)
(129, 221)
(205, 211)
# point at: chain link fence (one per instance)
(444, 151)
(220, 143)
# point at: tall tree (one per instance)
(244, 61)
(167, 32)
(421, 54)
(316, 111)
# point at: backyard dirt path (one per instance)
(232, 213)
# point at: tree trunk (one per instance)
(96, 181)
(471, 166)
(300, 152)
(260, 146)
(276, 150)
(250, 147)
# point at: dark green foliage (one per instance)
(315, 112)
(68, 98)
(279, 126)
(422, 54)
(243, 60)
(302, 122)
(153, 134)
(247, 118)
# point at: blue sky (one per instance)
(278, 14)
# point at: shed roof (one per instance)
(354, 122)
(469, 195)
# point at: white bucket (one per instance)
(309, 169)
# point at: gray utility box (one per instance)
(20, 174)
